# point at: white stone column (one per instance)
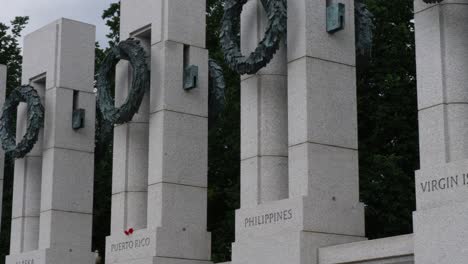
(56, 178)
(130, 166)
(173, 139)
(3, 82)
(323, 206)
(440, 224)
(264, 118)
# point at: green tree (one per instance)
(10, 55)
(388, 121)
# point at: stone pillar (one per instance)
(130, 166)
(440, 224)
(323, 205)
(172, 137)
(54, 183)
(264, 118)
(3, 82)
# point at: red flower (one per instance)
(130, 231)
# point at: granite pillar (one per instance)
(54, 182)
(440, 227)
(264, 118)
(322, 206)
(173, 140)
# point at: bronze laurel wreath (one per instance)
(132, 51)
(276, 30)
(28, 95)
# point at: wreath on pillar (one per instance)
(132, 51)
(35, 110)
(276, 30)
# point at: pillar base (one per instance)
(292, 230)
(52, 256)
(163, 245)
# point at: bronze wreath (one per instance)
(132, 51)
(28, 95)
(276, 30)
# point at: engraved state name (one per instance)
(25, 261)
(444, 183)
(132, 244)
(269, 218)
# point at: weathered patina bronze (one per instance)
(23, 94)
(132, 51)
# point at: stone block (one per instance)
(296, 214)
(399, 249)
(432, 136)
(263, 179)
(16, 235)
(177, 206)
(250, 118)
(285, 247)
(440, 234)
(169, 20)
(178, 149)
(185, 22)
(176, 244)
(24, 234)
(322, 103)
(147, 14)
(249, 187)
(429, 58)
(130, 166)
(441, 56)
(71, 43)
(163, 260)
(53, 256)
(324, 173)
(456, 118)
(67, 181)
(65, 230)
(307, 34)
(264, 115)
(442, 137)
(441, 185)
(58, 130)
(75, 57)
(167, 91)
(27, 187)
(130, 211)
(39, 49)
(273, 178)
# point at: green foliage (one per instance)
(388, 128)
(112, 18)
(10, 55)
(10, 51)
